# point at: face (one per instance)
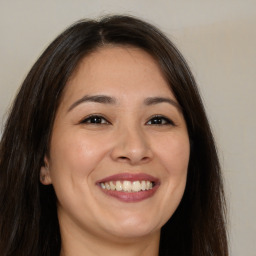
(120, 149)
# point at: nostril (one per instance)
(123, 159)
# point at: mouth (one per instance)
(129, 187)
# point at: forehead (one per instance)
(117, 70)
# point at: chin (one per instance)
(134, 228)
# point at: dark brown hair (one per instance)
(28, 216)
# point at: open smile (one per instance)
(129, 187)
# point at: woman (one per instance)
(108, 150)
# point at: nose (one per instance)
(131, 146)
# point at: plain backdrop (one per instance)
(218, 38)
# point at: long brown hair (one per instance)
(28, 216)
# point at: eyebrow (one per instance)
(94, 98)
(156, 100)
(104, 99)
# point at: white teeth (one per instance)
(136, 187)
(112, 185)
(143, 185)
(119, 186)
(149, 185)
(127, 186)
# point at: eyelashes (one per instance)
(95, 119)
(160, 120)
(156, 120)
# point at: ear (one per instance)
(45, 177)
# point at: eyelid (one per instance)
(84, 119)
(167, 119)
(97, 115)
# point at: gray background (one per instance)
(218, 38)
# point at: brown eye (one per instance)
(95, 120)
(160, 120)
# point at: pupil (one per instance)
(157, 121)
(96, 120)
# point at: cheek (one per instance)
(76, 155)
(174, 154)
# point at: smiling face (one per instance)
(119, 150)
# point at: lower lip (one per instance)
(131, 197)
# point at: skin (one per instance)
(124, 140)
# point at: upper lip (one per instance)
(129, 177)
